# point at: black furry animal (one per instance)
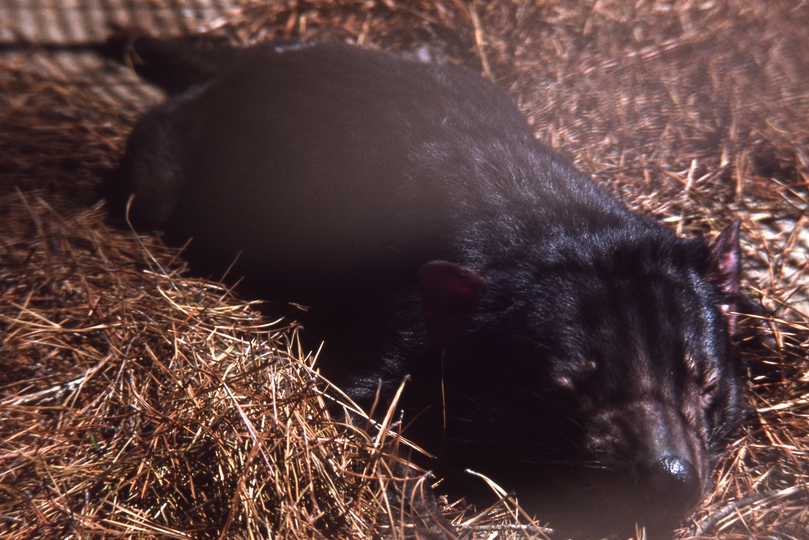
(577, 353)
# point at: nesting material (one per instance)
(139, 401)
(135, 401)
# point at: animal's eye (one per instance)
(709, 392)
(565, 383)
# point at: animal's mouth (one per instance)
(603, 503)
(640, 464)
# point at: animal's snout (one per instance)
(655, 456)
(672, 480)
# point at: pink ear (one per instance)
(724, 270)
(450, 294)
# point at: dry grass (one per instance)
(134, 400)
(137, 402)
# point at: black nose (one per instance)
(673, 480)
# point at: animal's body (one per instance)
(556, 341)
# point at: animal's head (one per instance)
(607, 369)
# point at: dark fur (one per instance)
(557, 342)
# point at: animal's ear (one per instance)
(450, 294)
(724, 269)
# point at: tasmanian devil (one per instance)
(577, 353)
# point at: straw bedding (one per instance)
(138, 400)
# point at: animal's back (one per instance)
(333, 165)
